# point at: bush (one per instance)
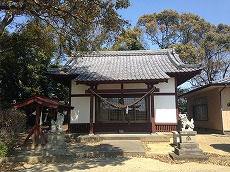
(3, 149)
(12, 122)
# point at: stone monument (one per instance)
(56, 145)
(185, 140)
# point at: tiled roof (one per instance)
(41, 100)
(125, 66)
(222, 81)
(218, 83)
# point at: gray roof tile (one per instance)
(222, 81)
(126, 66)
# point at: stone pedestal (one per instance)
(176, 137)
(56, 145)
(187, 148)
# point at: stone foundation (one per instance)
(56, 145)
(187, 148)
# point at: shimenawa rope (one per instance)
(121, 106)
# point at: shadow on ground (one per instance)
(86, 157)
(223, 147)
(78, 164)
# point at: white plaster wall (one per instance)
(78, 89)
(167, 87)
(135, 86)
(165, 109)
(81, 111)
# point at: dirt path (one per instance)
(209, 143)
(216, 147)
(214, 143)
(125, 165)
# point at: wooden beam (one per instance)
(120, 91)
(91, 112)
(152, 81)
(176, 100)
(152, 114)
(36, 132)
(69, 111)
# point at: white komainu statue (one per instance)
(53, 126)
(60, 120)
(185, 124)
(57, 125)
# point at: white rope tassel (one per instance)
(40, 119)
(45, 120)
(127, 110)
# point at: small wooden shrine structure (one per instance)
(39, 102)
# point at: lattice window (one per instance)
(200, 109)
(108, 113)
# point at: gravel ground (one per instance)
(216, 147)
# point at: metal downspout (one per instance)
(221, 109)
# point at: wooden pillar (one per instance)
(69, 110)
(36, 131)
(176, 100)
(91, 112)
(152, 113)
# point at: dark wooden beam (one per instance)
(153, 81)
(91, 112)
(152, 114)
(69, 111)
(176, 100)
(120, 91)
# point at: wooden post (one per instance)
(152, 113)
(36, 129)
(69, 110)
(68, 117)
(36, 132)
(176, 100)
(91, 113)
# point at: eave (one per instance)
(62, 78)
(205, 88)
(147, 81)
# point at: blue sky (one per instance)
(213, 11)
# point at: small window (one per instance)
(200, 109)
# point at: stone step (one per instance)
(188, 145)
(145, 138)
(187, 157)
(195, 151)
(103, 154)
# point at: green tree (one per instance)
(162, 28)
(129, 40)
(182, 102)
(24, 57)
(196, 40)
(78, 24)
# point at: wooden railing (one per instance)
(165, 128)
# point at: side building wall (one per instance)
(225, 95)
(214, 121)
